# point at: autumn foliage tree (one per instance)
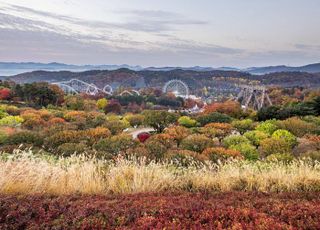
(5, 93)
(230, 108)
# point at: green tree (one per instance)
(255, 136)
(213, 118)
(187, 121)
(243, 125)
(268, 127)
(286, 136)
(102, 103)
(159, 120)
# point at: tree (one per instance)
(5, 93)
(113, 107)
(255, 136)
(268, 127)
(159, 120)
(243, 125)
(74, 102)
(274, 146)
(234, 140)
(221, 154)
(11, 121)
(135, 120)
(247, 150)
(298, 127)
(286, 136)
(267, 113)
(196, 143)
(213, 118)
(116, 144)
(230, 108)
(178, 133)
(187, 121)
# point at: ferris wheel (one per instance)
(177, 87)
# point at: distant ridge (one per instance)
(312, 68)
(14, 68)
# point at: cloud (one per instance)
(138, 20)
(28, 34)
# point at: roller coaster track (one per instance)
(76, 86)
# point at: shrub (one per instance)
(116, 126)
(196, 143)
(268, 127)
(284, 157)
(10, 109)
(213, 118)
(313, 155)
(234, 140)
(113, 106)
(24, 137)
(221, 154)
(225, 127)
(56, 121)
(62, 137)
(164, 139)
(187, 122)
(11, 121)
(247, 150)
(156, 149)
(116, 144)
(286, 136)
(68, 149)
(34, 123)
(75, 115)
(185, 158)
(3, 114)
(178, 133)
(312, 119)
(142, 137)
(255, 137)
(243, 125)
(95, 119)
(102, 103)
(158, 145)
(74, 102)
(297, 126)
(134, 120)
(274, 146)
(219, 130)
(94, 135)
(3, 137)
(230, 108)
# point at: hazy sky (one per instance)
(238, 33)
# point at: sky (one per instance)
(237, 33)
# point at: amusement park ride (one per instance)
(255, 97)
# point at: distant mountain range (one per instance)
(218, 79)
(13, 68)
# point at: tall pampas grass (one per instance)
(27, 173)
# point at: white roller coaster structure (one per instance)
(177, 87)
(75, 86)
(130, 92)
(253, 96)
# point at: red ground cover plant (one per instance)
(163, 211)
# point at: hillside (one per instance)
(14, 68)
(313, 68)
(195, 79)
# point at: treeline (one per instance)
(291, 110)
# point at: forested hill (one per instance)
(158, 78)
